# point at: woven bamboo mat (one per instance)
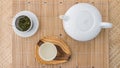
(92, 54)
(5, 34)
(114, 14)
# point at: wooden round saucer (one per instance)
(63, 55)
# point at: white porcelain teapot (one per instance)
(83, 22)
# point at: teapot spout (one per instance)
(63, 17)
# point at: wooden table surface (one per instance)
(91, 54)
(9, 40)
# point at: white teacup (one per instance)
(48, 51)
(17, 21)
(83, 22)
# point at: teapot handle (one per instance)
(106, 25)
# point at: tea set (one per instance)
(82, 22)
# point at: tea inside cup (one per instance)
(47, 51)
(23, 23)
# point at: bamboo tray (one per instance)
(91, 54)
(63, 51)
